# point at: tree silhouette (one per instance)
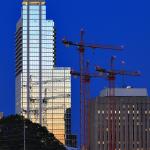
(36, 136)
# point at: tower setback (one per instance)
(43, 91)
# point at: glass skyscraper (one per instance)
(43, 91)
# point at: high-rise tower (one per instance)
(43, 91)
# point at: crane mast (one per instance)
(111, 77)
(86, 80)
(81, 45)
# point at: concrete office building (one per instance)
(131, 121)
(43, 91)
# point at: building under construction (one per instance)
(131, 124)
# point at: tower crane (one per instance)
(111, 77)
(112, 73)
(81, 48)
(85, 105)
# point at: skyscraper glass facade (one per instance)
(43, 91)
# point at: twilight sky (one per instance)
(124, 22)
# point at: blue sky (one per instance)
(111, 21)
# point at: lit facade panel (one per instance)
(131, 123)
(43, 92)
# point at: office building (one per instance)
(130, 117)
(43, 91)
(71, 139)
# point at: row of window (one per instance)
(49, 114)
(51, 110)
(44, 36)
(43, 42)
(33, 61)
(33, 12)
(55, 74)
(44, 59)
(123, 111)
(36, 28)
(45, 54)
(52, 86)
(43, 22)
(55, 86)
(60, 92)
(35, 68)
(66, 101)
(37, 23)
(46, 75)
(48, 79)
(58, 104)
(36, 54)
(43, 33)
(36, 39)
(33, 7)
(61, 97)
(34, 17)
(43, 46)
(49, 85)
(46, 68)
(45, 51)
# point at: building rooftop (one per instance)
(126, 92)
(33, 2)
